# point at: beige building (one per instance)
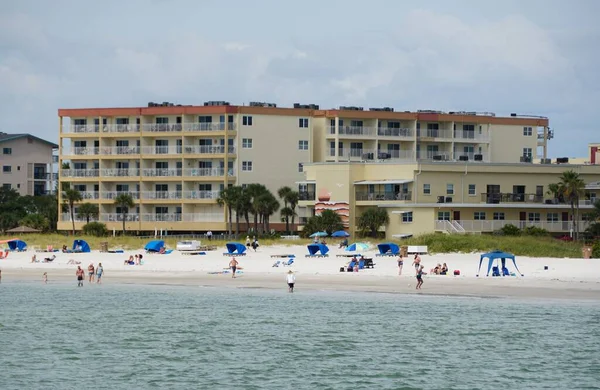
(174, 160)
(27, 164)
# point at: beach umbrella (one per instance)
(357, 246)
(319, 234)
(340, 233)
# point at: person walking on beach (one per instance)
(291, 280)
(99, 272)
(233, 265)
(45, 277)
(91, 272)
(420, 274)
(417, 263)
(80, 275)
(400, 264)
(0, 276)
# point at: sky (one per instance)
(527, 57)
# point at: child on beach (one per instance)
(99, 272)
(400, 264)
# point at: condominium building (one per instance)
(27, 164)
(174, 159)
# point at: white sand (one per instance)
(565, 278)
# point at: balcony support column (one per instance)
(337, 139)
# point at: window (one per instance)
(18, 167)
(427, 189)
(479, 215)
(443, 215)
(18, 185)
(7, 151)
(472, 190)
(498, 216)
(407, 217)
(533, 217)
(527, 152)
(527, 131)
(162, 120)
(552, 217)
(449, 189)
(247, 166)
(303, 145)
(247, 143)
(247, 120)
(7, 186)
(7, 169)
(300, 167)
(303, 122)
(205, 119)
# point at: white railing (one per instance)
(204, 217)
(394, 132)
(438, 134)
(174, 195)
(121, 172)
(161, 217)
(207, 172)
(162, 149)
(162, 127)
(467, 136)
(210, 126)
(161, 172)
(429, 155)
(89, 195)
(111, 195)
(119, 150)
(201, 194)
(382, 154)
(457, 226)
(488, 226)
(79, 172)
(66, 217)
(81, 129)
(113, 217)
(207, 149)
(81, 151)
(353, 130)
(469, 155)
(128, 128)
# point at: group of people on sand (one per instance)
(419, 269)
(94, 274)
(253, 243)
(134, 260)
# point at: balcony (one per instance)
(496, 198)
(121, 172)
(162, 127)
(470, 136)
(161, 218)
(43, 176)
(489, 226)
(434, 155)
(383, 155)
(470, 156)
(79, 172)
(161, 172)
(207, 172)
(119, 150)
(306, 195)
(112, 195)
(208, 149)
(383, 196)
(434, 134)
(87, 195)
(358, 131)
(347, 154)
(121, 128)
(204, 217)
(166, 195)
(66, 217)
(395, 132)
(217, 126)
(197, 195)
(161, 150)
(81, 129)
(81, 151)
(112, 217)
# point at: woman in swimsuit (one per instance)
(99, 272)
(91, 272)
(400, 264)
(417, 262)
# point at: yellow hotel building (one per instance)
(174, 160)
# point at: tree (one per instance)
(35, 221)
(288, 195)
(372, 219)
(267, 205)
(71, 196)
(572, 188)
(12, 208)
(229, 198)
(292, 199)
(125, 202)
(88, 211)
(255, 191)
(328, 221)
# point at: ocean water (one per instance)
(58, 336)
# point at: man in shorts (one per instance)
(233, 264)
(80, 274)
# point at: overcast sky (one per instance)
(527, 56)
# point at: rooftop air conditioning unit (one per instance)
(441, 199)
(216, 103)
(525, 159)
(546, 161)
(463, 158)
(368, 156)
(383, 156)
(351, 108)
(478, 157)
(437, 157)
(448, 199)
(562, 160)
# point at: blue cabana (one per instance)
(340, 233)
(235, 248)
(314, 249)
(388, 249)
(498, 255)
(154, 246)
(17, 245)
(81, 246)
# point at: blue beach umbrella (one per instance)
(357, 246)
(340, 233)
(319, 234)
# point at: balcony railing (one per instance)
(383, 195)
(353, 130)
(208, 149)
(434, 155)
(306, 195)
(495, 198)
(81, 129)
(161, 218)
(387, 154)
(79, 172)
(121, 172)
(201, 194)
(207, 172)
(128, 128)
(113, 217)
(430, 133)
(217, 126)
(81, 151)
(162, 127)
(119, 150)
(85, 195)
(469, 156)
(470, 136)
(112, 195)
(394, 132)
(488, 226)
(66, 217)
(170, 195)
(162, 149)
(164, 172)
(44, 176)
(203, 217)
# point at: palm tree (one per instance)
(372, 219)
(283, 193)
(572, 187)
(229, 197)
(292, 199)
(71, 196)
(88, 210)
(242, 208)
(268, 205)
(255, 191)
(125, 202)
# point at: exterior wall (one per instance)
(25, 153)
(508, 141)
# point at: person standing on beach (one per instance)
(45, 277)
(417, 263)
(0, 276)
(420, 274)
(400, 264)
(291, 280)
(91, 272)
(80, 275)
(233, 265)
(99, 272)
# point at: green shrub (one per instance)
(536, 231)
(96, 229)
(510, 230)
(596, 250)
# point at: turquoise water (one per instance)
(58, 336)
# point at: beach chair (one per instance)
(287, 263)
(317, 250)
(495, 271)
(361, 264)
(388, 249)
(235, 249)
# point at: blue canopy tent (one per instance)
(319, 234)
(81, 246)
(388, 249)
(235, 248)
(314, 249)
(495, 255)
(340, 233)
(17, 245)
(154, 246)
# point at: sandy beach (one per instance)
(564, 278)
